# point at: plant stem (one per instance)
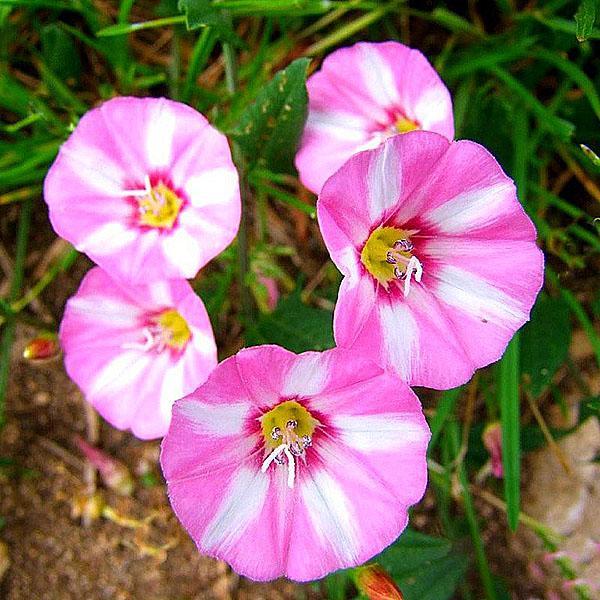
(238, 157)
(482, 563)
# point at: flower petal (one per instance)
(102, 337)
(356, 99)
(116, 149)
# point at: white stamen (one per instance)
(413, 265)
(149, 342)
(291, 467)
(139, 193)
(272, 457)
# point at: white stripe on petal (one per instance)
(384, 181)
(471, 210)
(471, 294)
(377, 76)
(432, 107)
(159, 140)
(308, 375)
(214, 419)
(107, 239)
(330, 515)
(119, 373)
(217, 186)
(400, 336)
(96, 170)
(343, 126)
(101, 309)
(182, 250)
(242, 503)
(382, 432)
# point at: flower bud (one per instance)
(114, 473)
(43, 347)
(492, 440)
(376, 584)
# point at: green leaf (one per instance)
(337, 585)
(126, 28)
(269, 130)
(424, 567)
(591, 406)
(545, 342)
(59, 51)
(559, 127)
(287, 8)
(584, 19)
(411, 550)
(444, 409)
(591, 155)
(294, 325)
(202, 13)
(510, 414)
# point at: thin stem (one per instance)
(238, 157)
(469, 506)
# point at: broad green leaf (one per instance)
(294, 325)
(411, 550)
(545, 342)
(424, 567)
(584, 19)
(202, 13)
(269, 130)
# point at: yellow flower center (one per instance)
(159, 207)
(404, 125)
(173, 329)
(287, 423)
(388, 256)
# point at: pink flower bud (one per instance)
(272, 291)
(492, 440)
(114, 473)
(376, 584)
(41, 348)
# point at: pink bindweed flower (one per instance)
(440, 261)
(134, 350)
(295, 465)
(363, 95)
(146, 188)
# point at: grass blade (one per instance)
(478, 545)
(510, 417)
(16, 283)
(445, 408)
(125, 28)
(559, 127)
